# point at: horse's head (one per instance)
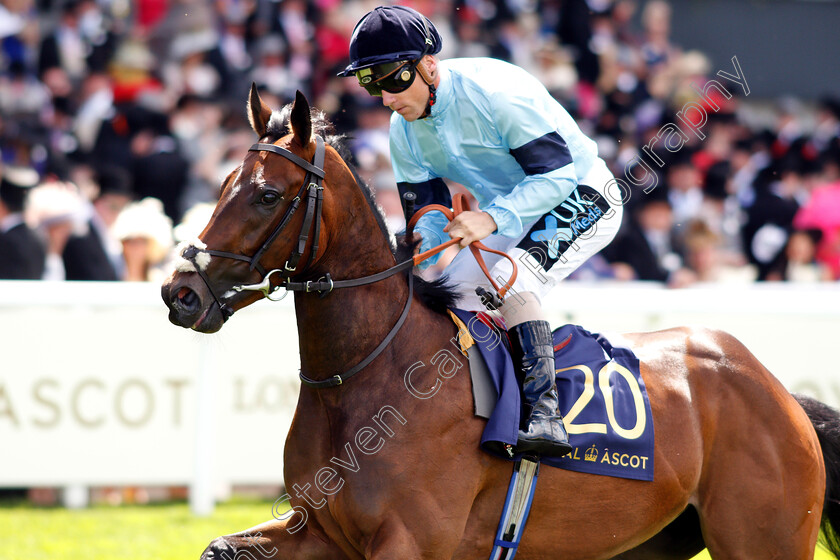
(273, 221)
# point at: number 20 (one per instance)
(604, 385)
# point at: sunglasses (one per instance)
(393, 77)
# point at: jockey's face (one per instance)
(411, 103)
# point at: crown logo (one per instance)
(591, 454)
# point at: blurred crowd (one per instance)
(119, 119)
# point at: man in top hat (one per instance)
(95, 254)
(22, 255)
(539, 182)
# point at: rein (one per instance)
(314, 200)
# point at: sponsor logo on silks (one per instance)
(551, 236)
(584, 223)
(561, 226)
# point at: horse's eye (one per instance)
(269, 197)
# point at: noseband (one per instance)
(314, 199)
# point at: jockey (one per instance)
(539, 182)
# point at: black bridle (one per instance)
(312, 186)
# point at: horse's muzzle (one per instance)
(189, 304)
(219, 549)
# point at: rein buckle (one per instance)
(307, 286)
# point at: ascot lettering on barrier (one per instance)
(270, 393)
(91, 403)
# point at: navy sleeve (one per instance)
(543, 154)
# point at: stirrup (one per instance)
(523, 483)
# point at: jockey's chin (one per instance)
(409, 104)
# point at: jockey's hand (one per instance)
(471, 226)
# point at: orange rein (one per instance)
(460, 204)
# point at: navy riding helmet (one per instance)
(386, 46)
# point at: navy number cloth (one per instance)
(602, 398)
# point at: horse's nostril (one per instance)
(187, 298)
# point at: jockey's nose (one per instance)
(387, 98)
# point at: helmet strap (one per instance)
(432, 99)
(429, 78)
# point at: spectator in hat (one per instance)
(704, 258)
(685, 191)
(147, 237)
(158, 168)
(96, 254)
(57, 211)
(722, 213)
(822, 212)
(271, 70)
(646, 247)
(80, 43)
(22, 255)
(798, 262)
(770, 218)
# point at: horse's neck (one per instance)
(340, 330)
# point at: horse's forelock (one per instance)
(277, 124)
(280, 124)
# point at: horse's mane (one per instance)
(438, 295)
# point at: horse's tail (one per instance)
(826, 422)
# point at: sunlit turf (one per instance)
(161, 532)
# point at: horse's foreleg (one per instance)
(272, 540)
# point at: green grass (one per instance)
(158, 532)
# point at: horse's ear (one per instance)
(301, 120)
(258, 112)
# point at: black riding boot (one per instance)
(533, 355)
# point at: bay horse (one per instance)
(376, 473)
